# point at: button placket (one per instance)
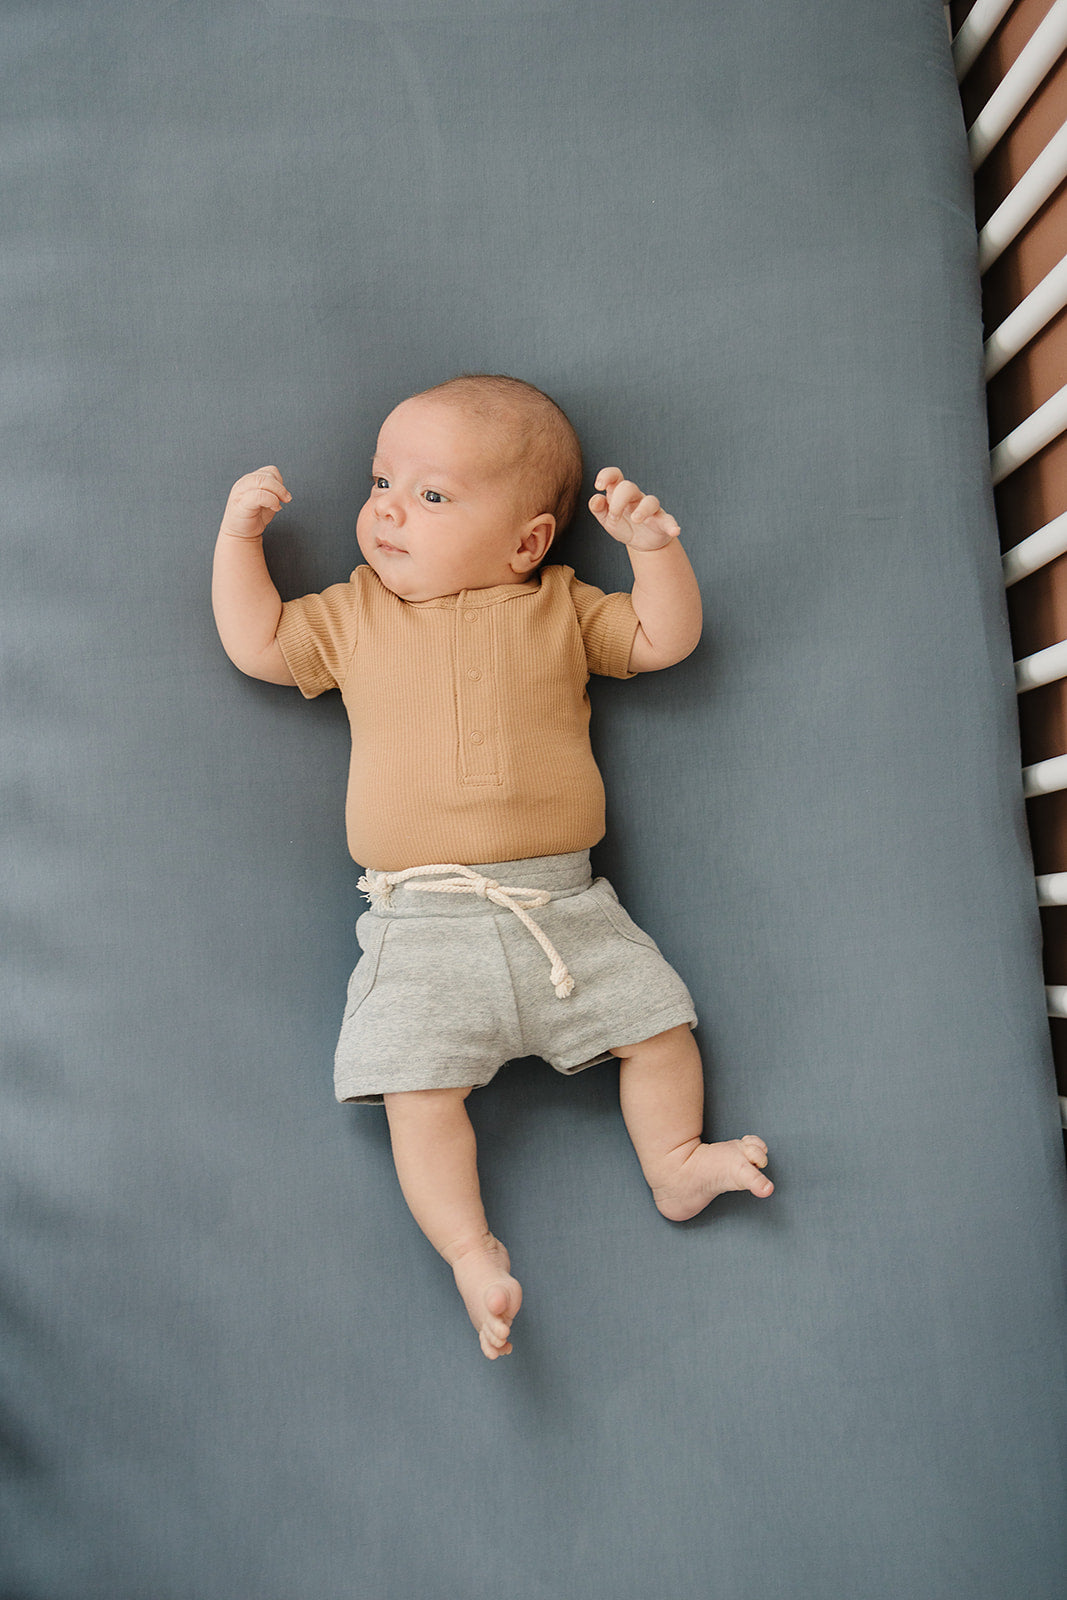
(479, 755)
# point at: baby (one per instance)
(473, 798)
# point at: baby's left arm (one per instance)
(665, 593)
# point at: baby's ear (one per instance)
(536, 538)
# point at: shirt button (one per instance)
(477, 738)
(470, 616)
(473, 674)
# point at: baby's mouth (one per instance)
(390, 549)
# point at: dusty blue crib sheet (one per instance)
(736, 242)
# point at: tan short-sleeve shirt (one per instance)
(469, 713)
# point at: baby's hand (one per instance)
(254, 501)
(635, 519)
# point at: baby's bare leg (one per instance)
(661, 1087)
(437, 1163)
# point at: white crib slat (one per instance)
(1041, 179)
(1036, 552)
(1056, 999)
(1029, 317)
(1025, 75)
(1019, 83)
(1045, 777)
(978, 28)
(1046, 424)
(1044, 666)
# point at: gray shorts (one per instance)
(450, 986)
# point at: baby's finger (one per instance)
(251, 500)
(623, 498)
(655, 519)
(264, 478)
(266, 497)
(606, 479)
(271, 478)
(646, 507)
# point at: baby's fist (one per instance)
(635, 519)
(254, 502)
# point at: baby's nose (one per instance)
(388, 506)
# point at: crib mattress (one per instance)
(736, 242)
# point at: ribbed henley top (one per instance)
(469, 713)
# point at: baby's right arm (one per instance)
(247, 606)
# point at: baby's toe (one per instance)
(493, 1344)
(754, 1152)
(757, 1182)
(496, 1302)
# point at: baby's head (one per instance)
(529, 436)
(472, 481)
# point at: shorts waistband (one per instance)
(559, 876)
(445, 880)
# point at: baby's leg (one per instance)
(661, 1087)
(436, 1161)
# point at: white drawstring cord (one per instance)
(380, 886)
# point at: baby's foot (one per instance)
(709, 1170)
(492, 1296)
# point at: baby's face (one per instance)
(444, 512)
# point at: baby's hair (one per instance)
(547, 455)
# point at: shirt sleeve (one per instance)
(609, 626)
(317, 636)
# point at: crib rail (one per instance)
(1025, 75)
(1038, 183)
(1011, 62)
(978, 27)
(1027, 320)
(1039, 429)
(1037, 551)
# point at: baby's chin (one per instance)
(389, 568)
(396, 574)
(403, 584)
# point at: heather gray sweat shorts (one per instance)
(452, 985)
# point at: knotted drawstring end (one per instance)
(376, 886)
(562, 982)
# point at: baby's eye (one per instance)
(378, 482)
(434, 496)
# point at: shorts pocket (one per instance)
(370, 932)
(620, 920)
